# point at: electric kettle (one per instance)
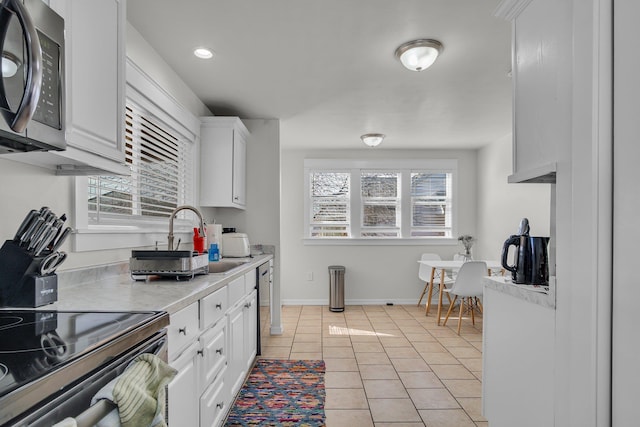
(531, 266)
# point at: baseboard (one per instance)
(404, 301)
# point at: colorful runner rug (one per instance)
(281, 393)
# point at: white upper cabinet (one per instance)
(95, 89)
(541, 74)
(223, 148)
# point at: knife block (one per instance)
(21, 284)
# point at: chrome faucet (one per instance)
(173, 214)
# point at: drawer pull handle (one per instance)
(219, 306)
(220, 405)
(201, 353)
(247, 305)
(219, 351)
(183, 331)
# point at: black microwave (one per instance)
(32, 89)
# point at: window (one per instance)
(383, 200)
(380, 204)
(430, 204)
(160, 180)
(330, 204)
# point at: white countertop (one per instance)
(112, 288)
(531, 293)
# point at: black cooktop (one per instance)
(35, 343)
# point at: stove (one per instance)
(44, 352)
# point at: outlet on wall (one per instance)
(309, 276)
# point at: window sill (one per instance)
(380, 242)
(97, 238)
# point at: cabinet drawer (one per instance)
(236, 290)
(213, 353)
(214, 403)
(213, 307)
(249, 282)
(183, 329)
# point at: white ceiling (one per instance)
(327, 70)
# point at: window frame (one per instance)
(127, 232)
(405, 167)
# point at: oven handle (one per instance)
(18, 121)
(91, 416)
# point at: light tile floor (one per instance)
(387, 365)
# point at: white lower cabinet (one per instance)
(250, 329)
(213, 353)
(183, 391)
(212, 347)
(214, 403)
(236, 368)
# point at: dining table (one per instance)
(452, 265)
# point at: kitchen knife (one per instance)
(46, 240)
(40, 233)
(26, 237)
(61, 239)
(25, 224)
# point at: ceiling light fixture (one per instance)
(10, 64)
(203, 53)
(418, 55)
(372, 139)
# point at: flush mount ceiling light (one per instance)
(372, 139)
(418, 55)
(203, 53)
(10, 64)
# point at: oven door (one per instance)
(75, 402)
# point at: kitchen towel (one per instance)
(139, 392)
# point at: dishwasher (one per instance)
(264, 298)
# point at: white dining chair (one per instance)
(468, 286)
(424, 274)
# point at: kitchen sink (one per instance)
(225, 266)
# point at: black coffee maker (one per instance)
(531, 265)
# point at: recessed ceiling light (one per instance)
(203, 53)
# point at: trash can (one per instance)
(336, 288)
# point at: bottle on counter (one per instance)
(198, 241)
(214, 252)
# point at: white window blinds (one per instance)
(330, 210)
(431, 204)
(161, 178)
(380, 204)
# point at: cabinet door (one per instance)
(223, 162)
(542, 64)
(95, 76)
(236, 364)
(183, 329)
(213, 307)
(182, 391)
(213, 404)
(250, 329)
(239, 169)
(213, 353)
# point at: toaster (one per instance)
(235, 245)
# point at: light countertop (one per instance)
(111, 288)
(533, 294)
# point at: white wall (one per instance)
(374, 274)
(28, 187)
(501, 206)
